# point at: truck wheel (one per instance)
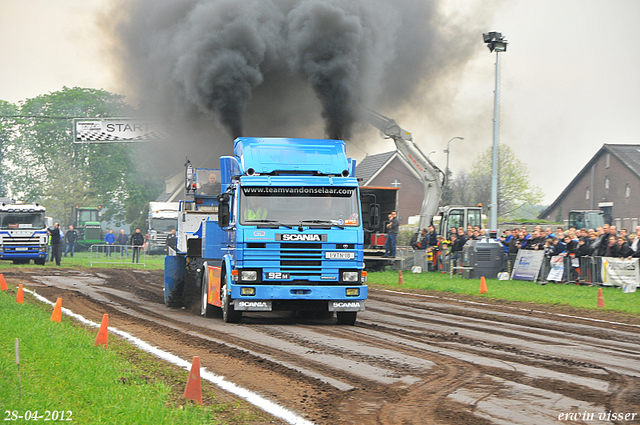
(40, 261)
(206, 309)
(346, 317)
(229, 314)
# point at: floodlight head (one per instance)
(498, 46)
(495, 41)
(492, 36)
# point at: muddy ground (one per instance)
(411, 358)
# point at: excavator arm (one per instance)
(427, 172)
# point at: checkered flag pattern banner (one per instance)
(113, 130)
(101, 136)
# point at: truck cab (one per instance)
(163, 216)
(86, 222)
(286, 234)
(23, 233)
(589, 219)
(458, 216)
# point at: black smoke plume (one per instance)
(271, 66)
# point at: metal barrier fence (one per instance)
(117, 254)
(427, 262)
(585, 270)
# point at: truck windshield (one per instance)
(164, 224)
(9, 220)
(291, 205)
(587, 219)
(88, 216)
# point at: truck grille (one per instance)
(300, 260)
(18, 241)
(21, 244)
(91, 234)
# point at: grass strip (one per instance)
(83, 259)
(62, 371)
(514, 290)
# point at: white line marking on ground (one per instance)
(253, 398)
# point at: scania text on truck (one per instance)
(285, 234)
(23, 232)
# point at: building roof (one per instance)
(629, 155)
(163, 197)
(174, 188)
(371, 165)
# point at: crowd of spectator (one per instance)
(605, 241)
(578, 247)
(439, 249)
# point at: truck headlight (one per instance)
(248, 275)
(349, 276)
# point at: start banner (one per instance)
(621, 272)
(109, 130)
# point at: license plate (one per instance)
(277, 275)
(22, 249)
(339, 255)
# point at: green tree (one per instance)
(516, 193)
(46, 165)
(7, 132)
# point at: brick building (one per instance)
(389, 170)
(610, 182)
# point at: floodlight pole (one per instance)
(494, 155)
(495, 42)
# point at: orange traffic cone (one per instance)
(3, 283)
(56, 316)
(20, 295)
(193, 390)
(483, 285)
(400, 278)
(600, 298)
(103, 334)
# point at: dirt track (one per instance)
(410, 359)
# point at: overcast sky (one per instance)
(570, 80)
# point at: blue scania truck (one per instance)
(283, 232)
(23, 232)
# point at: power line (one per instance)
(48, 117)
